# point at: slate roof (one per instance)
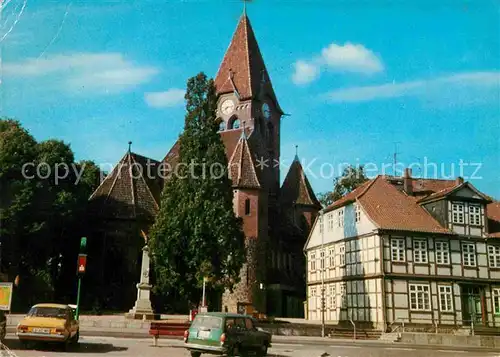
(130, 191)
(296, 187)
(243, 70)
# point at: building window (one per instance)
(222, 125)
(496, 300)
(445, 298)
(322, 260)
(313, 261)
(342, 255)
(332, 297)
(331, 257)
(469, 254)
(442, 253)
(236, 124)
(340, 218)
(398, 249)
(312, 298)
(494, 256)
(247, 207)
(475, 215)
(358, 213)
(420, 251)
(330, 222)
(419, 297)
(343, 295)
(458, 212)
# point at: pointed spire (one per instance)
(243, 67)
(296, 153)
(129, 147)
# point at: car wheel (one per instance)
(263, 350)
(76, 338)
(195, 354)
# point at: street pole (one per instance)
(78, 298)
(203, 298)
(322, 264)
(80, 270)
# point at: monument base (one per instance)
(145, 316)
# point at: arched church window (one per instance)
(222, 125)
(247, 207)
(236, 124)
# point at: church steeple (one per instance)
(243, 69)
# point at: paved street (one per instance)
(101, 346)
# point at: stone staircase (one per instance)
(361, 334)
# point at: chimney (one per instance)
(459, 180)
(407, 182)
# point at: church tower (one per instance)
(246, 95)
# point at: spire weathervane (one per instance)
(129, 146)
(245, 6)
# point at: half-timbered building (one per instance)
(402, 249)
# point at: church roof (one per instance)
(242, 70)
(131, 191)
(296, 188)
(242, 165)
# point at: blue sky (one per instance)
(359, 80)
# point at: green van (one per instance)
(219, 333)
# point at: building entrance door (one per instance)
(473, 306)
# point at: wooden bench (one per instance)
(167, 328)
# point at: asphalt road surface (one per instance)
(120, 347)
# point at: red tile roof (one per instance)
(243, 68)
(242, 166)
(296, 188)
(493, 211)
(391, 209)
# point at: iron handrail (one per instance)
(434, 322)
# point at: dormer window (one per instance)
(222, 125)
(458, 213)
(474, 215)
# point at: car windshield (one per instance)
(207, 322)
(53, 312)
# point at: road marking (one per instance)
(340, 346)
(399, 349)
(448, 351)
(287, 344)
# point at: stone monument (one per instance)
(142, 309)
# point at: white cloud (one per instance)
(354, 58)
(169, 98)
(351, 58)
(461, 87)
(305, 72)
(77, 72)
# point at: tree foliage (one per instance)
(196, 233)
(40, 213)
(351, 178)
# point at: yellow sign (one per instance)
(5, 296)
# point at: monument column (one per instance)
(142, 309)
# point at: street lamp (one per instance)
(322, 265)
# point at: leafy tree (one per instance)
(40, 216)
(196, 233)
(351, 178)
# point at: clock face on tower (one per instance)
(227, 107)
(266, 110)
